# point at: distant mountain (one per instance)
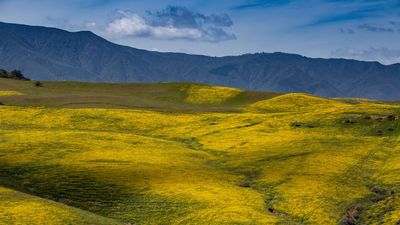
(53, 54)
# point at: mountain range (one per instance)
(44, 53)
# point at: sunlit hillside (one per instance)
(172, 153)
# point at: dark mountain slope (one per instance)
(54, 54)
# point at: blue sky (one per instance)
(359, 29)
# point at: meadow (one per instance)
(174, 153)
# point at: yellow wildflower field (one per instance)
(10, 93)
(202, 94)
(292, 159)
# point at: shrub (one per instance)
(17, 74)
(3, 73)
(367, 117)
(351, 120)
(245, 185)
(311, 125)
(38, 84)
(296, 125)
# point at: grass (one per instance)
(191, 154)
(168, 97)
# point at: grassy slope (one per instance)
(20, 208)
(160, 96)
(242, 158)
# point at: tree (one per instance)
(18, 74)
(3, 73)
(38, 84)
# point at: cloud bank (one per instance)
(261, 4)
(172, 23)
(383, 55)
(374, 28)
(388, 27)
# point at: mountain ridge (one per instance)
(55, 54)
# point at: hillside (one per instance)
(206, 155)
(21, 208)
(58, 55)
(155, 96)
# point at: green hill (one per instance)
(176, 153)
(159, 96)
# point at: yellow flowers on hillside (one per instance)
(10, 93)
(19, 208)
(202, 94)
(292, 159)
(295, 102)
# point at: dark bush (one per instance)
(367, 117)
(3, 73)
(296, 125)
(38, 84)
(378, 191)
(271, 210)
(245, 185)
(381, 194)
(379, 132)
(391, 117)
(1, 103)
(350, 120)
(17, 74)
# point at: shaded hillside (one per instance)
(54, 54)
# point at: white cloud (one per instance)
(186, 25)
(135, 25)
(90, 25)
(128, 25)
(383, 55)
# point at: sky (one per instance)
(356, 29)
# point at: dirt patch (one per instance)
(352, 216)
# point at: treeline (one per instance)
(15, 74)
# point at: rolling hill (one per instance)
(155, 96)
(185, 153)
(53, 54)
